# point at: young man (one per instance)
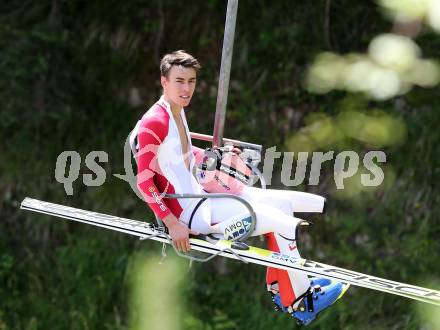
(166, 161)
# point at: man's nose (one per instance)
(186, 87)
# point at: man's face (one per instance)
(179, 86)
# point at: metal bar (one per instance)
(225, 70)
(209, 138)
(238, 198)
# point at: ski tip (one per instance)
(26, 202)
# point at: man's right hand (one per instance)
(179, 233)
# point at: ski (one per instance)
(224, 248)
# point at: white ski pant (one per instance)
(274, 210)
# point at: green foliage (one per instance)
(69, 70)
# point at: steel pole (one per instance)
(225, 70)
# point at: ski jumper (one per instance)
(162, 169)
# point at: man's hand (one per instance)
(179, 233)
(237, 151)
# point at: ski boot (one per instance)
(315, 282)
(316, 300)
(321, 281)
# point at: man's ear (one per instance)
(163, 81)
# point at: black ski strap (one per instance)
(306, 295)
(287, 238)
(309, 298)
(195, 210)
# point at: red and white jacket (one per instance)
(161, 165)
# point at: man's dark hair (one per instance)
(179, 57)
